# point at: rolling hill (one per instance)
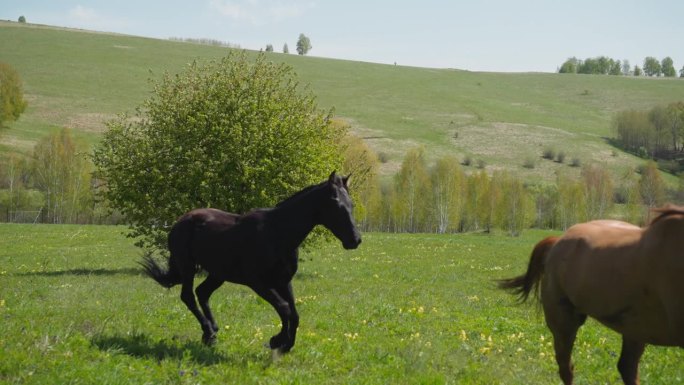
(79, 79)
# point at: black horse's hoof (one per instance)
(209, 339)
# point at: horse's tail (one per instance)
(167, 277)
(522, 285)
(179, 244)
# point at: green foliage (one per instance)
(62, 171)
(286, 49)
(667, 67)
(234, 134)
(657, 133)
(269, 47)
(652, 66)
(569, 66)
(651, 185)
(598, 186)
(303, 44)
(448, 187)
(413, 189)
(22, 19)
(12, 103)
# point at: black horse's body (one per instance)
(257, 249)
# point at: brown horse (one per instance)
(630, 279)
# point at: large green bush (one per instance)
(234, 134)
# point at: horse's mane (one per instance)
(666, 211)
(298, 194)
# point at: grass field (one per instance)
(402, 309)
(79, 79)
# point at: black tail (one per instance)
(165, 277)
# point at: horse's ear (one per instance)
(345, 181)
(331, 178)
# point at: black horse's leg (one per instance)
(628, 365)
(287, 294)
(188, 297)
(279, 341)
(204, 291)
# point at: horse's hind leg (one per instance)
(628, 365)
(188, 297)
(204, 291)
(563, 321)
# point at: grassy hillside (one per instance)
(78, 79)
(76, 309)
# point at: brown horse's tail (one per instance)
(524, 284)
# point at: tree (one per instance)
(681, 72)
(651, 185)
(13, 172)
(413, 187)
(269, 47)
(652, 66)
(626, 68)
(615, 68)
(234, 134)
(361, 162)
(303, 44)
(22, 19)
(572, 202)
(63, 173)
(12, 103)
(447, 179)
(286, 49)
(637, 70)
(598, 187)
(512, 205)
(569, 66)
(667, 67)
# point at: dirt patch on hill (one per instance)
(89, 122)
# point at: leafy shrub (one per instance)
(234, 134)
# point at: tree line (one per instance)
(656, 133)
(445, 198)
(603, 65)
(55, 184)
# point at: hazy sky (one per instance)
(490, 35)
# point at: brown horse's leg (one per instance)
(628, 365)
(563, 321)
(204, 291)
(188, 297)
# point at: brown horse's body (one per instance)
(628, 278)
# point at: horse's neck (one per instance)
(294, 221)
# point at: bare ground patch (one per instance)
(89, 122)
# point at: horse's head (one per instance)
(336, 212)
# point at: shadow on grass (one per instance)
(141, 346)
(96, 272)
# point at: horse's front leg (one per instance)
(280, 341)
(288, 334)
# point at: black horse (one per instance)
(257, 249)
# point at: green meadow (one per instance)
(80, 79)
(401, 309)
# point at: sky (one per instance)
(485, 35)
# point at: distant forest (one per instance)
(603, 65)
(657, 133)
